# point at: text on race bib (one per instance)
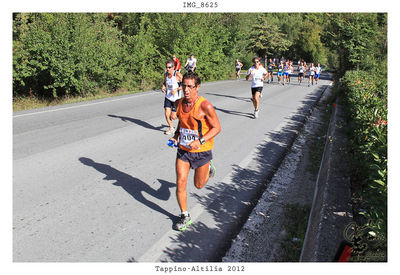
(188, 136)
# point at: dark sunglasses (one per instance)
(188, 86)
(169, 67)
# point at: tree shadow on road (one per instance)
(139, 122)
(134, 186)
(247, 99)
(229, 203)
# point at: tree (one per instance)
(355, 37)
(266, 39)
(308, 44)
(143, 55)
(57, 54)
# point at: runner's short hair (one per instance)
(170, 62)
(192, 75)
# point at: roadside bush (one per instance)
(79, 54)
(58, 54)
(366, 98)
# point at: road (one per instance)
(95, 181)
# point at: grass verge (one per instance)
(295, 225)
(27, 103)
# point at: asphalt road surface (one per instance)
(95, 181)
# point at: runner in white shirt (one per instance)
(257, 74)
(318, 71)
(191, 63)
(173, 92)
(238, 67)
(291, 69)
(286, 72)
(302, 70)
(312, 74)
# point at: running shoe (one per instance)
(169, 131)
(183, 223)
(256, 113)
(212, 169)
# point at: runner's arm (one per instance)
(177, 134)
(164, 87)
(178, 77)
(248, 74)
(264, 74)
(212, 119)
(174, 91)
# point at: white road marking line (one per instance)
(83, 105)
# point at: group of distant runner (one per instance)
(285, 69)
(198, 122)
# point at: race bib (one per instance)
(188, 136)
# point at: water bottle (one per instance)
(171, 143)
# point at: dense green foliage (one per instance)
(366, 96)
(360, 41)
(266, 39)
(62, 54)
(59, 54)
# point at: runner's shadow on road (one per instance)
(139, 122)
(134, 186)
(236, 113)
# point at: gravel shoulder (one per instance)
(265, 237)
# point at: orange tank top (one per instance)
(192, 127)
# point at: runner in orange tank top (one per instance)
(198, 125)
(192, 127)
